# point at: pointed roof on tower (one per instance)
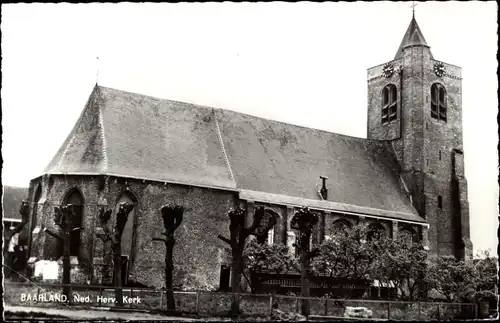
(412, 37)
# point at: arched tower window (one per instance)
(389, 103)
(75, 198)
(438, 102)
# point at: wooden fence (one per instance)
(205, 303)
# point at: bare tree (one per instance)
(263, 221)
(124, 210)
(12, 255)
(304, 221)
(63, 218)
(172, 217)
(24, 210)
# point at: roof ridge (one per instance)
(101, 131)
(241, 113)
(155, 97)
(221, 141)
(104, 147)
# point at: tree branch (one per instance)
(226, 240)
(160, 239)
(103, 237)
(55, 235)
(257, 218)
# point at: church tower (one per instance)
(415, 103)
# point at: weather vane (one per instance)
(413, 5)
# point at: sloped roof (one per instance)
(412, 37)
(132, 135)
(127, 134)
(11, 201)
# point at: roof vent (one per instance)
(324, 191)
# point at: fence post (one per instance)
(326, 306)
(476, 310)
(197, 304)
(271, 305)
(297, 305)
(388, 310)
(439, 311)
(161, 298)
(418, 309)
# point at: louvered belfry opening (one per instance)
(438, 102)
(389, 103)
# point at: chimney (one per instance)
(324, 190)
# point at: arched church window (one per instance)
(270, 236)
(375, 231)
(290, 242)
(128, 230)
(340, 226)
(408, 235)
(389, 103)
(75, 198)
(438, 102)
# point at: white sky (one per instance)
(302, 63)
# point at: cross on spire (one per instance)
(413, 5)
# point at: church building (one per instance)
(408, 175)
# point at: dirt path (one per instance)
(89, 314)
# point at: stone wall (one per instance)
(197, 250)
(198, 253)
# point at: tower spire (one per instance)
(413, 35)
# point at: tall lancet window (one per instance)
(75, 198)
(270, 236)
(389, 103)
(438, 102)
